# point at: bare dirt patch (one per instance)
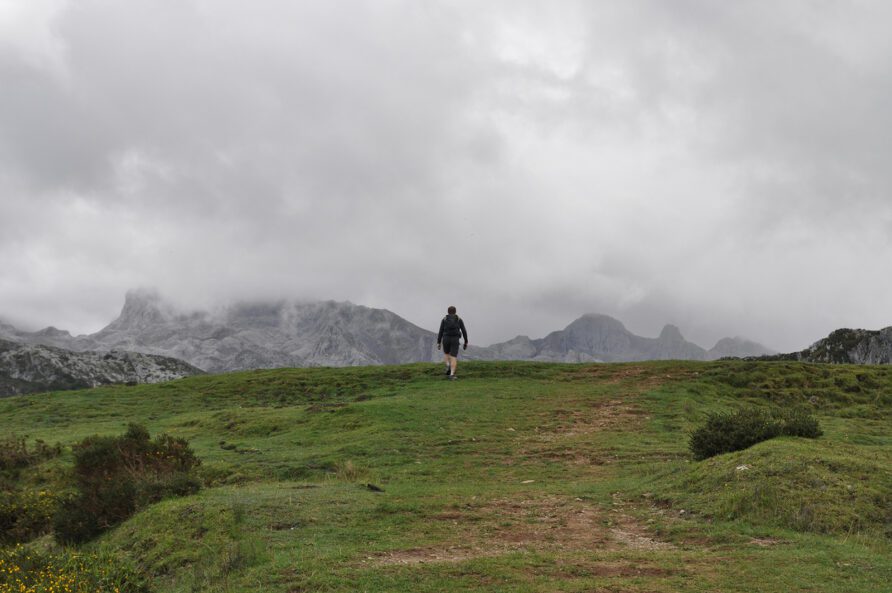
(587, 415)
(547, 524)
(766, 542)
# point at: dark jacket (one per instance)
(453, 326)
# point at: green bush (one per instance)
(797, 422)
(15, 454)
(116, 476)
(727, 432)
(25, 514)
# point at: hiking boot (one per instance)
(448, 370)
(452, 377)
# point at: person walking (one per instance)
(451, 329)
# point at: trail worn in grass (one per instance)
(518, 477)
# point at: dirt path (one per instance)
(545, 524)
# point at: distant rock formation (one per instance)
(301, 334)
(600, 338)
(255, 335)
(30, 368)
(846, 346)
(737, 347)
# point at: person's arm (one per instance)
(464, 332)
(440, 334)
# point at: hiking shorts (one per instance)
(450, 345)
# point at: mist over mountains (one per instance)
(295, 334)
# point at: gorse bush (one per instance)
(15, 454)
(25, 514)
(31, 571)
(116, 476)
(727, 432)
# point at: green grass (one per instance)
(518, 477)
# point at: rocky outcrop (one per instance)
(846, 346)
(30, 368)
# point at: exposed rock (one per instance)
(846, 346)
(8, 332)
(30, 368)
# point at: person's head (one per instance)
(451, 310)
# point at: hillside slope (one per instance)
(527, 477)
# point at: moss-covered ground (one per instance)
(518, 477)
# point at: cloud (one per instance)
(718, 167)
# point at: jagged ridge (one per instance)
(846, 346)
(30, 368)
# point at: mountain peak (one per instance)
(142, 308)
(136, 296)
(737, 347)
(598, 320)
(53, 332)
(671, 333)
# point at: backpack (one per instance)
(452, 325)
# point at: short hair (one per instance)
(451, 310)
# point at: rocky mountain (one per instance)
(255, 335)
(846, 346)
(600, 338)
(299, 334)
(29, 368)
(737, 347)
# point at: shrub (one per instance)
(15, 454)
(25, 514)
(726, 432)
(33, 571)
(116, 476)
(797, 422)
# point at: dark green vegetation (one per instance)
(725, 432)
(115, 476)
(518, 477)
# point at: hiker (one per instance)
(451, 329)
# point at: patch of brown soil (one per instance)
(634, 538)
(614, 569)
(432, 555)
(547, 524)
(618, 373)
(588, 417)
(765, 542)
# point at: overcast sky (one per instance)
(723, 166)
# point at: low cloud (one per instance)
(720, 167)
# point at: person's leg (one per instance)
(454, 364)
(451, 364)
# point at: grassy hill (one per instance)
(518, 477)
